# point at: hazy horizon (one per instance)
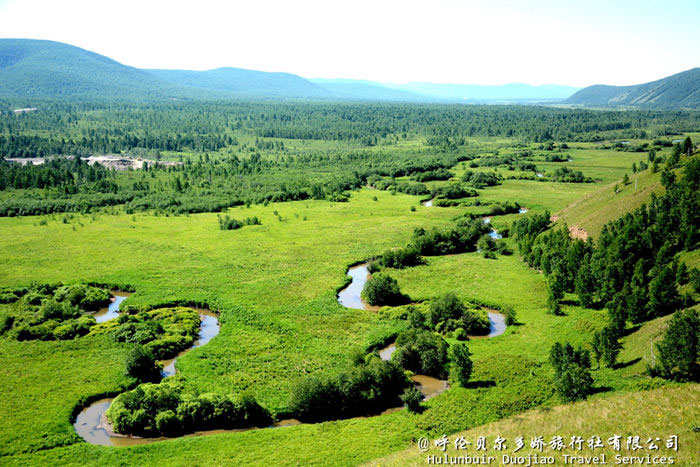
(542, 42)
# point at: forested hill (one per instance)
(45, 69)
(681, 90)
(31, 69)
(34, 69)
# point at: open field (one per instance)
(648, 414)
(275, 284)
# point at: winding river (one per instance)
(91, 423)
(493, 232)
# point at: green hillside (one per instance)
(35, 68)
(611, 201)
(654, 413)
(679, 90)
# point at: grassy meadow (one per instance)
(275, 286)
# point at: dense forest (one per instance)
(227, 154)
(58, 127)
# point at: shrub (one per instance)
(460, 334)
(8, 297)
(461, 363)
(6, 322)
(141, 364)
(381, 290)
(416, 319)
(412, 398)
(421, 351)
(511, 317)
(486, 243)
(339, 197)
(229, 223)
(359, 391)
(167, 423)
(400, 258)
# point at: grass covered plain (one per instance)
(658, 413)
(274, 286)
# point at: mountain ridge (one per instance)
(31, 68)
(681, 90)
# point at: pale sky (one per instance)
(575, 43)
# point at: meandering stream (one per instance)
(91, 423)
(493, 232)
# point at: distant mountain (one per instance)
(34, 68)
(245, 83)
(433, 92)
(46, 69)
(369, 91)
(681, 90)
(506, 92)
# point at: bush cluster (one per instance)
(454, 191)
(481, 179)
(383, 290)
(52, 312)
(430, 175)
(458, 238)
(400, 258)
(362, 390)
(573, 380)
(422, 352)
(164, 331)
(448, 313)
(229, 223)
(163, 410)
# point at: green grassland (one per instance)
(610, 201)
(658, 413)
(274, 285)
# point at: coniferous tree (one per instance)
(584, 284)
(638, 298)
(687, 146)
(678, 351)
(609, 345)
(663, 293)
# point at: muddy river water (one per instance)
(91, 423)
